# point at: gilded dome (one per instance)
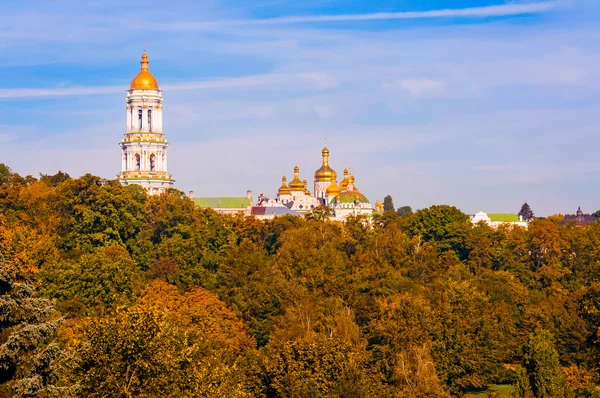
(344, 182)
(144, 80)
(324, 173)
(284, 189)
(306, 191)
(333, 189)
(296, 184)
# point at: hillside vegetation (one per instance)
(108, 292)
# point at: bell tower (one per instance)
(144, 146)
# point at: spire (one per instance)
(325, 154)
(144, 62)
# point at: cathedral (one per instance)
(343, 200)
(144, 146)
(144, 163)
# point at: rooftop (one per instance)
(241, 202)
(503, 217)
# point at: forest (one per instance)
(108, 292)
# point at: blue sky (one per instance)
(481, 104)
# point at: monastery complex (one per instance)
(144, 162)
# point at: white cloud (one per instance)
(419, 87)
(477, 12)
(310, 81)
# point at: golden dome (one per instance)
(324, 173)
(144, 80)
(296, 184)
(333, 189)
(344, 182)
(284, 189)
(306, 191)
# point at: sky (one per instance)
(479, 104)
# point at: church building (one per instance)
(144, 146)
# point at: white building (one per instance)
(495, 220)
(144, 146)
(343, 200)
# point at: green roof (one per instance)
(223, 203)
(504, 217)
(350, 197)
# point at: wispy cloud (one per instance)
(473, 12)
(418, 87)
(311, 81)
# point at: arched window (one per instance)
(149, 120)
(137, 161)
(140, 119)
(152, 162)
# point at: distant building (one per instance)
(343, 200)
(579, 218)
(496, 219)
(144, 145)
(225, 205)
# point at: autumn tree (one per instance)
(31, 361)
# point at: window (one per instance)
(137, 161)
(152, 157)
(149, 120)
(139, 119)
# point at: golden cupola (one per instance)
(344, 182)
(296, 184)
(306, 191)
(284, 189)
(333, 189)
(324, 173)
(144, 80)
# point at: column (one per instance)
(158, 165)
(123, 160)
(160, 127)
(145, 118)
(165, 164)
(128, 118)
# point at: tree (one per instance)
(526, 212)
(319, 213)
(138, 353)
(443, 224)
(404, 211)
(545, 378)
(388, 203)
(31, 361)
(317, 367)
(99, 281)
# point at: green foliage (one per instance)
(442, 224)
(139, 354)
(319, 213)
(543, 377)
(316, 367)
(388, 203)
(404, 211)
(156, 297)
(526, 212)
(96, 282)
(31, 362)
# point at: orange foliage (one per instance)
(200, 312)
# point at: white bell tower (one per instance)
(144, 146)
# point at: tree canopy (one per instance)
(105, 291)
